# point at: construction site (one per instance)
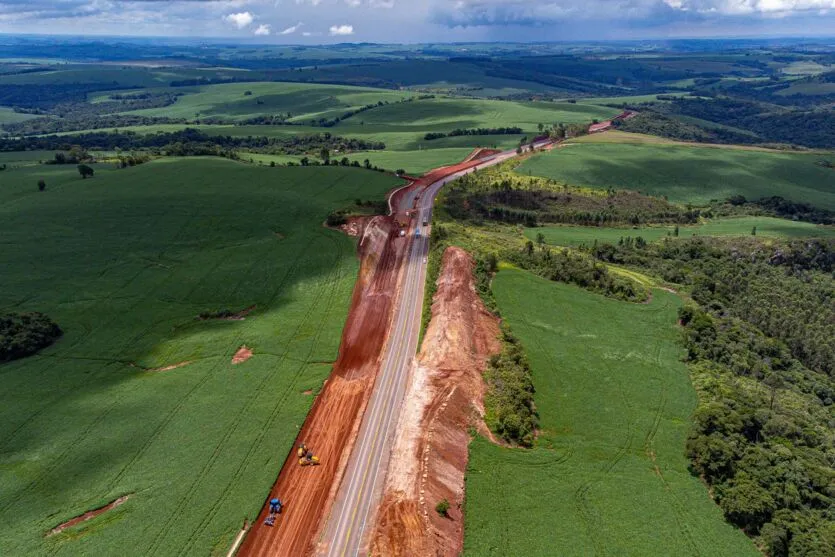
(296, 511)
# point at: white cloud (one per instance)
(311, 2)
(740, 7)
(381, 3)
(353, 3)
(337, 30)
(292, 29)
(263, 29)
(241, 20)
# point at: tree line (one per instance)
(458, 132)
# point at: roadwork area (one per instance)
(444, 398)
(331, 425)
(314, 517)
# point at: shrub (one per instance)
(23, 334)
(442, 508)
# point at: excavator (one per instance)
(306, 456)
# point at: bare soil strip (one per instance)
(89, 515)
(443, 400)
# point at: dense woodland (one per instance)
(23, 334)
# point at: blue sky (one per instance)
(326, 21)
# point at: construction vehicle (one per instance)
(306, 456)
(275, 510)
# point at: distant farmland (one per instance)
(608, 475)
(739, 226)
(125, 262)
(690, 174)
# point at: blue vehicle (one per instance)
(417, 232)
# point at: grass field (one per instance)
(739, 226)
(608, 475)
(124, 262)
(303, 101)
(9, 116)
(689, 174)
(413, 162)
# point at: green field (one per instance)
(303, 101)
(738, 226)
(9, 116)
(608, 475)
(124, 263)
(689, 174)
(413, 162)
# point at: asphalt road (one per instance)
(359, 494)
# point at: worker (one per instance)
(275, 505)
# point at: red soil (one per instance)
(443, 400)
(243, 354)
(87, 516)
(481, 153)
(172, 366)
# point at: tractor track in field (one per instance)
(279, 406)
(173, 412)
(233, 428)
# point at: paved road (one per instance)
(362, 485)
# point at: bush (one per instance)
(23, 334)
(508, 404)
(442, 508)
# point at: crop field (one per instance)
(302, 101)
(738, 226)
(125, 262)
(413, 162)
(689, 174)
(9, 116)
(607, 475)
(442, 114)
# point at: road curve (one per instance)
(359, 493)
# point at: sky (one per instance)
(414, 21)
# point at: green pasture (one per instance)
(607, 475)
(124, 262)
(303, 101)
(413, 162)
(9, 116)
(689, 174)
(736, 226)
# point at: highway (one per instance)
(362, 485)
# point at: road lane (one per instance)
(359, 494)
